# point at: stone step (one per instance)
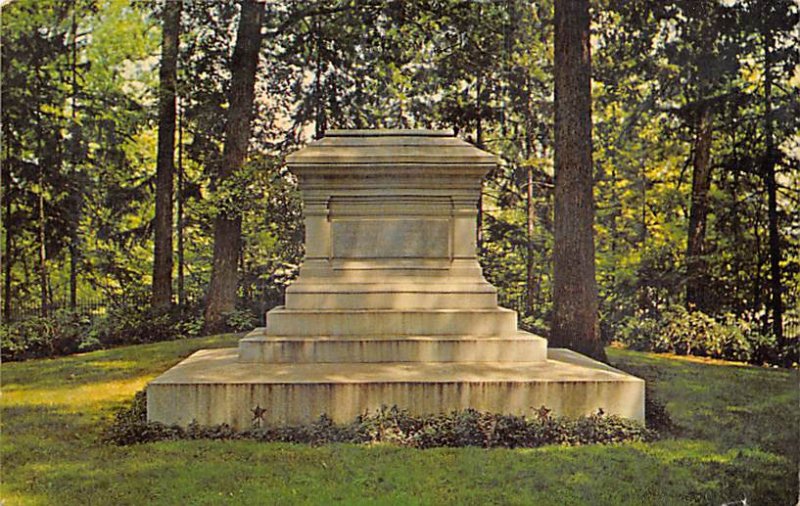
(388, 297)
(517, 347)
(211, 387)
(421, 322)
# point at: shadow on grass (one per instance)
(735, 405)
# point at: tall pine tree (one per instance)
(221, 298)
(165, 163)
(575, 308)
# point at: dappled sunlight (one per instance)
(77, 374)
(78, 397)
(111, 365)
(734, 406)
(103, 365)
(678, 360)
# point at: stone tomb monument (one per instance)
(390, 306)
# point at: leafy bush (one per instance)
(241, 320)
(134, 323)
(391, 425)
(62, 333)
(691, 333)
(66, 332)
(190, 326)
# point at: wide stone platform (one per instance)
(390, 307)
(213, 387)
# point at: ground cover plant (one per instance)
(735, 437)
(456, 429)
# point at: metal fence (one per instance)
(98, 306)
(89, 307)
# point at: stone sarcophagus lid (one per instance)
(390, 306)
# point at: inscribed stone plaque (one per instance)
(398, 238)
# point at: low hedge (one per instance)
(394, 426)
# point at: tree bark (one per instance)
(530, 279)
(43, 277)
(320, 122)
(73, 239)
(228, 226)
(6, 261)
(479, 145)
(772, 198)
(41, 225)
(696, 276)
(165, 164)
(575, 323)
(180, 217)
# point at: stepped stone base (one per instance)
(519, 346)
(282, 321)
(213, 387)
(390, 306)
(403, 293)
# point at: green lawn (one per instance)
(737, 438)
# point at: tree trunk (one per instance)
(530, 279)
(757, 282)
(7, 263)
(73, 240)
(165, 164)
(228, 227)
(180, 218)
(479, 145)
(43, 278)
(575, 303)
(319, 113)
(776, 305)
(41, 225)
(696, 278)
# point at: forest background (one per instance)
(696, 146)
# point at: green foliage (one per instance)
(128, 321)
(398, 427)
(134, 323)
(695, 333)
(240, 320)
(645, 121)
(190, 326)
(63, 333)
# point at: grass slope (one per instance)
(737, 438)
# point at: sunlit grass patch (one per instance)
(79, 397)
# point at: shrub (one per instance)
(691, 333)
(65, 332)
(394, 426)
(241, 320)
(134, 323)
(638, 333)
(190, 326)
(61, 333)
